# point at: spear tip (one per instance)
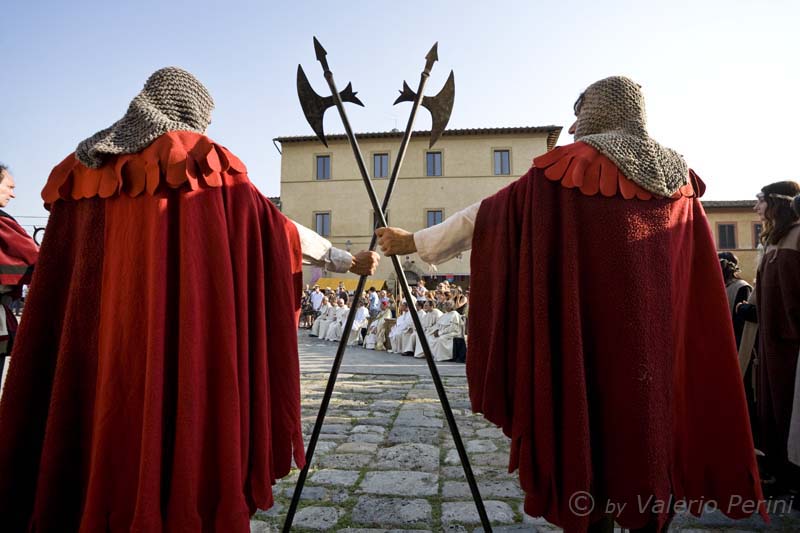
(433, 55)
(319, 51)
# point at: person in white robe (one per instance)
(448, 327)
(428, 325)
(402, 335)
(359, 322)
(336, 328)
(327, 319)
(375, 327)
(323, 311)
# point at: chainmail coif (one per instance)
(172, 99)
(612, 119)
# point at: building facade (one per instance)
(322, 187)
(736, 229)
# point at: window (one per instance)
(727, 236)
(502, 162)
(323, 167)
(757, 228)
(322, 224)
(433, 217)
(433, 164)
(380, 165)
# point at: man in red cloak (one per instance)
(154, 385)
(599, 337)
(18, 254)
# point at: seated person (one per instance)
(448, 327)
(359, 323)
(402, 337)
(323, 310)
(336, 328)
(375, 328)
(429, 325)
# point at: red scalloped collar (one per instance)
(579, 165)
(174, 159)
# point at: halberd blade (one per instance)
(406, 95)
(313, 105)
(441, 106)
(348, 95)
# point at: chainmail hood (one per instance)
(172, 99)
(612, 119)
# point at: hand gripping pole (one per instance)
(440, 119)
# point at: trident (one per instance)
(440, 107)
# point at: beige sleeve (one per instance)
(318, 251)
(441, 242)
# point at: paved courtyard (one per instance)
(385, 460)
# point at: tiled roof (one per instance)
(552, 134)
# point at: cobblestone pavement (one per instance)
(385, 460)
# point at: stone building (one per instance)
(322, 188)
(736, 228)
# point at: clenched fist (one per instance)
(365, 263)
(395, 241)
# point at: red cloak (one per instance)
(18, 252)
(602, 344)
(154, 384)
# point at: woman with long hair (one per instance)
(778, 309)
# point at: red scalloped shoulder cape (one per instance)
(603, 346)
(154, 383)
(18, 252)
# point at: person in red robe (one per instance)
(18, 253)
(600, 338)
(154, 385)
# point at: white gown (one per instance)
(320, 319)
(428, 324)
(327, 320)
(449, 326)
(371, 340)
(336, 328)
(402, 336)
(359, 321)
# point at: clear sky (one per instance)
(721, 78)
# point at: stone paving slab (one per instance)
(401, 483)
(365, 437)
(414, 456)
(391, 511)
(334, 477)
(386, 462)
(362, 530)
(491, 489)
(357, 447)
(317, 518)
(404, 434)
(467, 513)
(345, 461)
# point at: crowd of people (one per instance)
(766, 323)
(384, 323)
